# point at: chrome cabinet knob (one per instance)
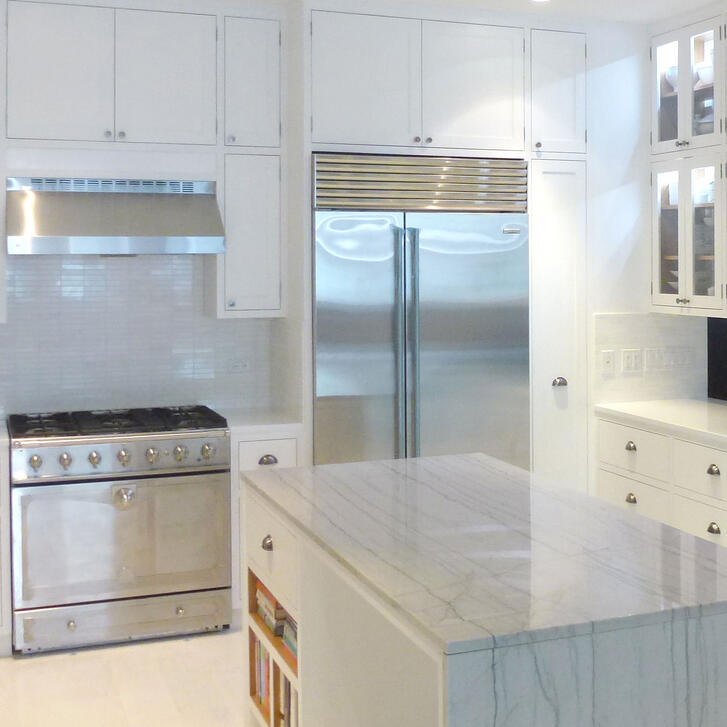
(267, 544)
(560, 381)
(180, 611)
(428, 140)
(417, 139)
(71, 625)
(124, 457)
(207, 451)
(180, 452)
(630, 446)
(539, 145)
(631, 498)
(94, 458)
(35, 462)
(714, 529)
(108, 133)
(123, 498)
(152, 455)
(231, 139)
(65, 460)
(267, 459)
(122, 135)
(713, 470)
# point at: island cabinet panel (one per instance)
(700, 469)
(636, 496)
(635, 450)
(60, 72)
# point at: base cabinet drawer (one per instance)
(272, 552)
(634, 450)
(704, 521)
(265, 453)
(635, 496)
(700, 469)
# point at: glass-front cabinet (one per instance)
(688, 87)
(688, 232)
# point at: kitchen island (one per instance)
(460, 591)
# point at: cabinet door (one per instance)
(252, 231)
(366, 79)
(166, 77)
(472, 86)
(558, 320)
(667, 226)
(558, 63)
(60, 72)
(252, 82)
(666, 54)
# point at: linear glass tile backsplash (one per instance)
(92, 332)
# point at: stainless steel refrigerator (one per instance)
(421, 318)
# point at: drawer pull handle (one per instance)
(631, 498)
(268, 459)
(714, 529)
(267, 543)
(713, 470)
(559, 381)
(630, 446)
(71, 625)
(179, 611)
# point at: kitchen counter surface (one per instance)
(480, 555)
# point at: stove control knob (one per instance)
(207, 451)
(180, 452)
(65, 460)
(124, 457)
(152, 455)
(35, 462)
(94, 458)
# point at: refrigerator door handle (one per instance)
(400, 339)
(413, 338)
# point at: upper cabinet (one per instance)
(558, 63)
(135, 75)
(688, 80)
(252, 82)
(404, 82)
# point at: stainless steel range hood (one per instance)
(112, 217)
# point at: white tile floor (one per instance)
(189, 682)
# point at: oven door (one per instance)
(95, 541)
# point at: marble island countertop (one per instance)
(478, 556)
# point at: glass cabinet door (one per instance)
(666, 59)
(667, 235)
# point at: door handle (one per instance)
(508, 230)
(560, 381)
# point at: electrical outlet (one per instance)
(608, 362)
(631, 360)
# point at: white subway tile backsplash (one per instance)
(91, 332)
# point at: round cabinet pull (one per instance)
(429, 140)
(560, 381)
(267, 459)
(713, 470)
(71, 625)
(539, 145)
(630, 446)
(122, 135)
(267, 543)
(714, 529)
(631, 498)
(417, 139)
(180, 611)
(108, 133)
(231, 139)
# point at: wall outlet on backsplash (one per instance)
(608, 362)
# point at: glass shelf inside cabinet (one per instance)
(702, 59)
(667, 66)
(703, 239)
(668, 190)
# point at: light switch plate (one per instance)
(631, 360)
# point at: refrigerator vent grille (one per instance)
(409, 183)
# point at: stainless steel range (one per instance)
(120, 525)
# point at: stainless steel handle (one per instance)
(122, 135)
(268, 459)
(631, 498)
(71, 625)
(417, 139)
(108, 133)
(713, 470)
(630, 446)
(428, 140)
(560, 381)
(511, 230)
(681, 143)
(714, 529)
(231, 304)
(123, 498)
(400, 340)
(413, 338)
(683, 300)
(267, 543)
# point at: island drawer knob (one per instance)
(268, 459)
(714, 529)
(630, 446)
(631, 498)
(713, 470)
(267, 543)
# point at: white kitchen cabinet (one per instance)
(688, 87)
(472, 86)
(688, 240)
(252, 261)
(60, 72)
(558, 73)
(268, 453)
(166, 77)
(366, 79)
(558, 320)
(252, 82)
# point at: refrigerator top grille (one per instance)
(426, 184)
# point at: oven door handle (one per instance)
(124, 498)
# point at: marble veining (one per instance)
(479, 554)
